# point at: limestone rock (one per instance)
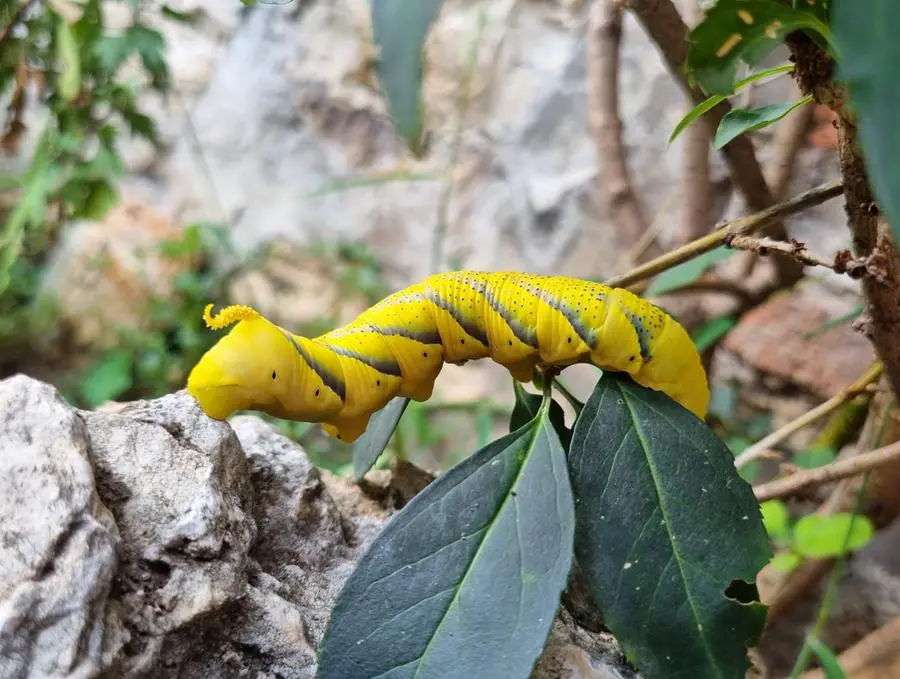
(58, 542)
(147, 540)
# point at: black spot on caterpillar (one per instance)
(399, 345)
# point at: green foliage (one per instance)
(485, 547)
(741, 120)
(75, 165)
(399, 30)
(742, 30)
(813, 536)
(527, 407)
(716, 99)
(150, 363)
(687, 272)
(866, 32)
(669, 537)
(818, 537)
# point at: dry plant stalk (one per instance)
(665, 26)
(841, 469)
(765, 444)
(603, 42)
(696, 181)
(741, 226)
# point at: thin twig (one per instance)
(843, 262)
(696, 181)
(790, 135)
(664, 24)
(604, 37)
(741, 226)
(767, 443)
(721, 285)
(841, 469)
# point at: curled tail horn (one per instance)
(228, 315)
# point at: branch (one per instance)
(741, 226)
(696, 181)
(604, 37)
(871, 235)
(790, 135)
(764, 445)
(664, 24)
(842, 469)
(842, 262)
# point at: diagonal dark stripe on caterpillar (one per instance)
(398, 346)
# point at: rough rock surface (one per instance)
(151, 541)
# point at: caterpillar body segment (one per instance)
(399, 345)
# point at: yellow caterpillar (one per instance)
(399, 345)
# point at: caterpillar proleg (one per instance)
(398, 346)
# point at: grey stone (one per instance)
(58, 542)
(146, 540)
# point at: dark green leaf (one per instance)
(733, 30)
(831, 666)
(866, 32)
(368, 447)
(740, 120)
(712, 101)
(399, 30)
(710, 333)
(527, 407)
(466, 579)
(687, 272)
(110, 377)
(664, 526)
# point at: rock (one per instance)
(179, 488)
(573, 652)
(770, 339)
(147, 540)
(104, 274)
(58, 551)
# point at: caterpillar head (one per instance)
(251, 368)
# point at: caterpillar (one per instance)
(398, 346)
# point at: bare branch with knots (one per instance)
(604, 38)
(842, 262)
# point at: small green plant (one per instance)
(813, 536)
(153, 362)
(74, 62)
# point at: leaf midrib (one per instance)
(542, 415)
(678, 560)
